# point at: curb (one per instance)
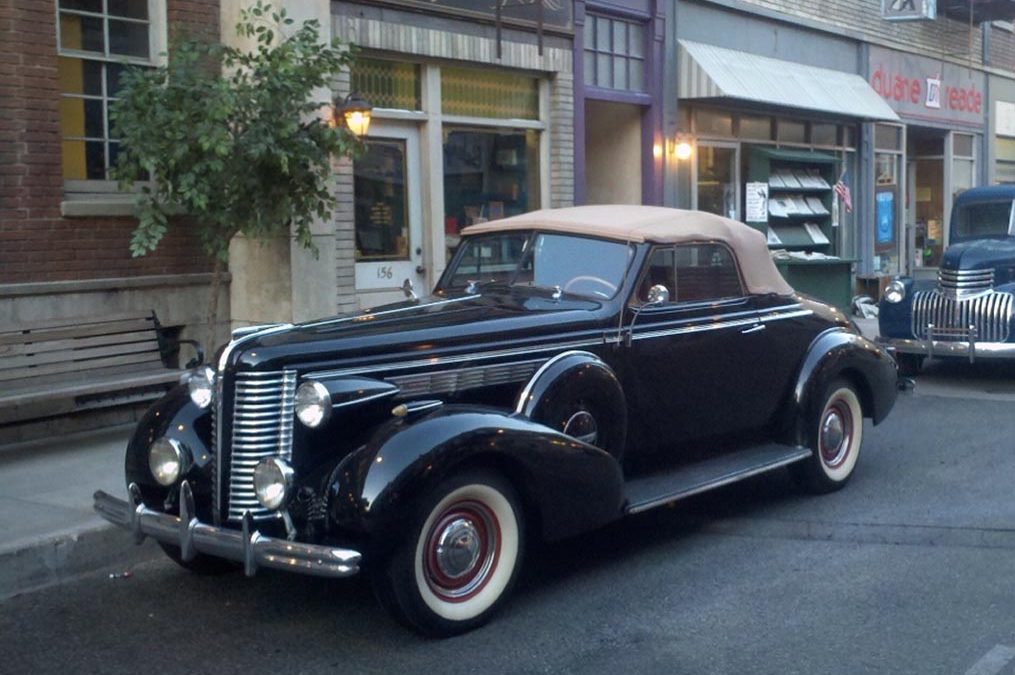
(63, 556)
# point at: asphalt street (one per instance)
(910, 569)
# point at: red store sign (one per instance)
(926, 89)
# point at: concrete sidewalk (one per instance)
(48, 530)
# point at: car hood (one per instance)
(980, 254)
(428, 328)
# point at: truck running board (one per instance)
(648, 492)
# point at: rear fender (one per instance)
(569, 486)
(841, 353)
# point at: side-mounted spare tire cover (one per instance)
(578, 394)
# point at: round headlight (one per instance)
(313, 404)
(895, 292)
(201, 384)
(273, 479)
(168, 460)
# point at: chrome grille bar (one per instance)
(960, 284)
(990, 314)
(262, 426)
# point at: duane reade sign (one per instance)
(908, 10)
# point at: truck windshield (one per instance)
(577, 265)
(982, 219)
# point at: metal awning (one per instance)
(978, 11)
(708, 72)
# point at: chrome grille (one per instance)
(960, 284)
(990, 313)
(461, 379)
(262, 426)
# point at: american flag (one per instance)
(842, 189)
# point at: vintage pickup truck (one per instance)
(967, 313)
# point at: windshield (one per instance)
(982, 219)
(578, 265)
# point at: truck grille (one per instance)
(261, 426)
(960, 284)
(990, 313)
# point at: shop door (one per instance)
(716, 183)
(388, 215)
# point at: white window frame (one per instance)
(100, 197)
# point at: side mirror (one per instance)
(658, 295)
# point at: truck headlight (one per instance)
(895, 292)
(313, 404)
(201, 384)
(168, 460)
(273, 480)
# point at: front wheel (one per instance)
(835, 433)
(460, 559)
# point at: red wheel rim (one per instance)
(461, 551)
(835, 435)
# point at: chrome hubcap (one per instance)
(836, 433)
(458, 548)
(582, 425)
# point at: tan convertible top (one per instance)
(659, 225)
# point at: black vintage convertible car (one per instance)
(572, 367)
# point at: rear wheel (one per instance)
(460, 558)
(835, 433)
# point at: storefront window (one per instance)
(1004, 168)
(488, 174)
(791, 131)
(713, 123)
(824, 134)
(469, 92)
(756, 127)
(887, 137)
(717, 191)
(382, 225)
(386, 84)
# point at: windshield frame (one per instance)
(957, 236)
(528, 251)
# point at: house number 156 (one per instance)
(385, 272)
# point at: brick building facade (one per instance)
(64, 234)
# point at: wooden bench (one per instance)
(61, 366)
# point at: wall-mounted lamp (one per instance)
(682, 149)
(354, 110)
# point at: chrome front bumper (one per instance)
(246, 546)
(970, 349)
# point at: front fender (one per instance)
(176, 417)
(567, 485)
(842, 353)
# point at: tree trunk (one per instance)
(213, 305)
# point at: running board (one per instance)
(652, 491)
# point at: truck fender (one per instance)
(579, 395)
(569, 486)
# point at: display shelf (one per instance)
(800, 198)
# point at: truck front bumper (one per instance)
(969, 349)
(246, 546)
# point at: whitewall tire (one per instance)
(460, 559)
(835, 434)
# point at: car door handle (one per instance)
(753, 329)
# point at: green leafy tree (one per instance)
(232, 137)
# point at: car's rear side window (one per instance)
(693, 273)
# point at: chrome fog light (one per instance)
(895, 292)
(168, 460)
(313, 404)
(273, 480)
(201, 384)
